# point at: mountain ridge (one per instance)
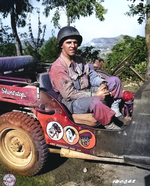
(104, 44)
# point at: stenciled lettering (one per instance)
(13, 93)
(124, 181)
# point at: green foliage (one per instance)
(7, 49)
(49, 52)
(74, 9)
(140, 9)
(141, 68)
(55, 18)
(19, 7)
(18, 10)
(89, 54)
(100, 11)
(7, 46)
(123, 49)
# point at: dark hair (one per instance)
(73, 132)
(100, 59)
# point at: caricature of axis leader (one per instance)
(71, 135)
(85, 138)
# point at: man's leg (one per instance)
(116, 89)
(86, 119)
(99, 111)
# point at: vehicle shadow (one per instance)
(53, 162)
(147, 180)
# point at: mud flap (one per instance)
(139, 161)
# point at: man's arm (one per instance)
(95, 79)
(62, 83)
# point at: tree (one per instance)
(74, 9)
(129, 45)
(7, 46)
(17, 10)
(142, 9)
(89, 54)
(49, 52)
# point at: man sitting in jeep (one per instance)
(82, 90)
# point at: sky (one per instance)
(115, 24)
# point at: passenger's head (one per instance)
(98, 63)
(101, 62)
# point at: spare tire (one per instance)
(23, 149)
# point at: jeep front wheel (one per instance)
(22, 144)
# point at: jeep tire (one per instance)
(22, 144)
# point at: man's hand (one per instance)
(102, 91)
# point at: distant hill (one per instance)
(103, 44)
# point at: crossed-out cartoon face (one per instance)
(71, 135)
(54, 130)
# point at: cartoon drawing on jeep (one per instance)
(54, 130)
(71, 135)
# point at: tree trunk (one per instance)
(68, 20)
(15, 34)
(147, 37)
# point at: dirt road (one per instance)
(76, 172)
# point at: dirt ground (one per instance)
(76, 172)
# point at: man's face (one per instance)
(96, 65)
(69, 47)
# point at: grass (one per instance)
(66, 171)
(40, 180)
(131, 86)
(45, 177)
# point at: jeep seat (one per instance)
(16, 62)
(45, 84)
